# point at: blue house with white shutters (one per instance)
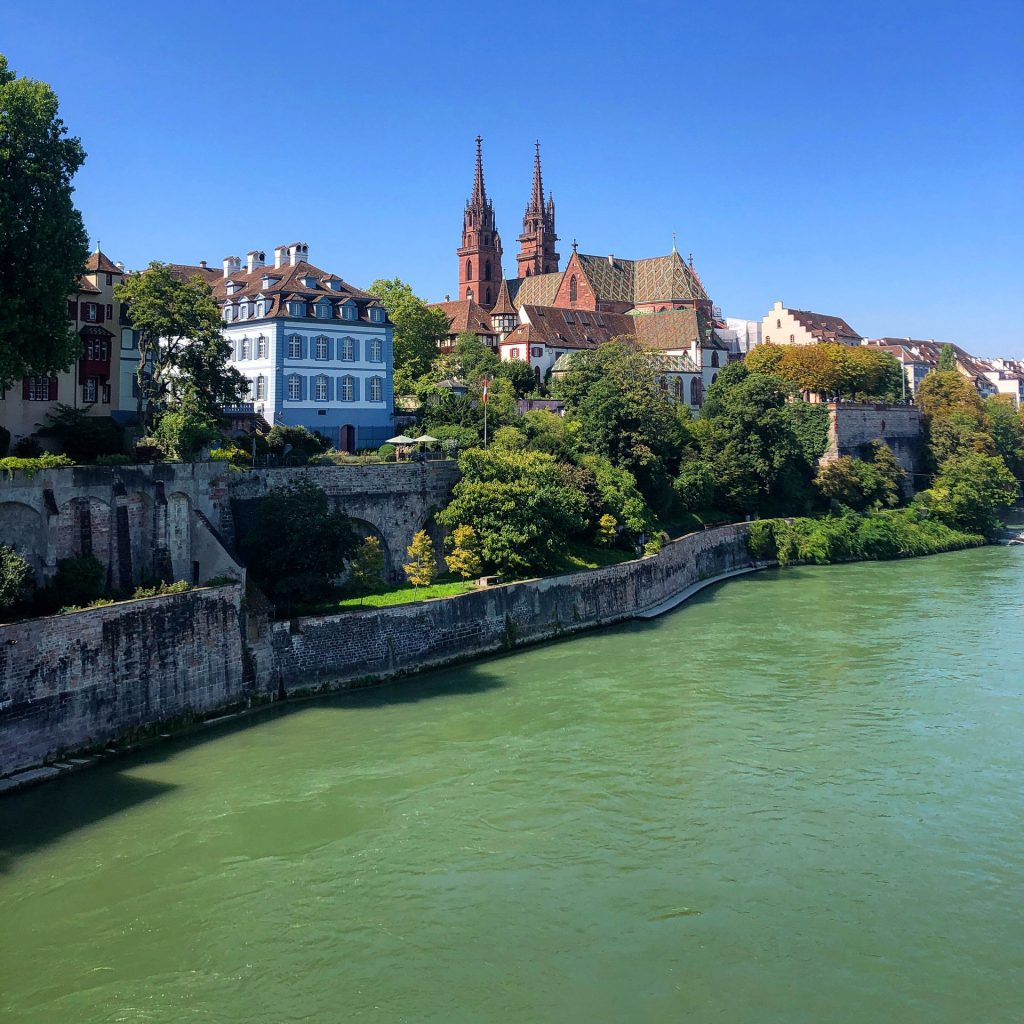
(317, 351)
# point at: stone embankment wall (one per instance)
(853, 426)
(354, 646)
(69, 682)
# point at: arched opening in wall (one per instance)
(469, 270)
(347, 439)
(85, 527)
(23, 529)
(392, 564)
(487, 271)
(437, 535)
(696, 392)
(140, 533)
(536, 376)
(179, 537)
(573, 291)
(714, 358)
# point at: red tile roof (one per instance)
(97, 262)
(825, 327)
(465, 315)
(569, 328)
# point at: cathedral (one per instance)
(546, 313)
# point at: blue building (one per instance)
(317, 352)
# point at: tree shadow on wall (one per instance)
(44, 814)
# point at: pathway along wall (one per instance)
(80, 680)
(337, 650)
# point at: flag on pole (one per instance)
(486, 383)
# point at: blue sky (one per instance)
(860, 159)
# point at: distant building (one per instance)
(316, 350)
(919, 357)
(92, 382)
(783, 326)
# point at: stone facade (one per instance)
(87, 678)
(853, 426)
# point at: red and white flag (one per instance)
(486, 384)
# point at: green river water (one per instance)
(796, 799)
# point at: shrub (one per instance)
(33, 465)
(82, 436)
(180, 435)
(761, 540)
(387, 452)
(79, 580)
(113, 460)
(161, 588)
(15, 578)
(27, 448)
(303, 443)
(464, 554)
(233, 454)
(422, 565)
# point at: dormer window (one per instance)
(350, 311)
(309, 282)
(228, 312)
(231, 287)
(267, 281)
(323, 309)
(243, 311)
(333, 283)
(377, 314)
(261, 306)
(296, 307)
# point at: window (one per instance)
(767, 339)
(346, 349)
(778, 325)
(297, 308)
(323, 310)
(38, 389)
(245, 349)
(321, 347)
(227, 312)
(513, 353)
(376, 389)
(348, 389)
(568, 317)
(110, 311)
(294, 387)
(248, 388)
(261, 307)
(679, 389)
(294, 347)
(321, 388)
(792, 338)
(376, 350)
(261, 347)
(696, 392)
(469, 270)
(377, 314)
(105, 394)
(89, 389)
(572, 288)
(537, 351)
(469, 294)
(90, 312)
(261, 387)
(487, 271)
(110, 279)
(350, 311)
(243, 311)
(714, 358)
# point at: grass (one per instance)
(404, 594)
(577, 556)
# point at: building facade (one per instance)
(317, 351)
(784, 326)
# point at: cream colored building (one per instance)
(92, 383)
(783, 326)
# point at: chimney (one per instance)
(279, 251)
(611, 260)
(202, 263)
(255, 259)
(298, 252)
(232, 265)
(119, 265)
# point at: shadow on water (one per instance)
(34, 818)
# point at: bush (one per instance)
(180, 435)
(113, 460)
(85, 438)
(303, 443)
(160, 589)
(761, 540)
(233, 455)
(387, 452)
(27, 448)
(32, 466)
(79, 580)
(15, 578)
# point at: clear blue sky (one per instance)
(861, 159)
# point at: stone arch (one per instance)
(85, 527)
(392, 560)
(23, 529)
(142, 535)
(179, 535)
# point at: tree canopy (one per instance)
(830, 369)
(43, 244)
(418, 329)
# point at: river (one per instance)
(796, 799)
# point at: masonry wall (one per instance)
(73, 681)
(854, 426)
(339, 649)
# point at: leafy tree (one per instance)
(810, 423)
(958, 433)
(81, 436)
(943, 392)
(510, 438)
(183, 357)
(619, 496)
(418, 330)
(297, 544)
(855, 483)
(894, 475)
(474, 359)
(366, 570)
(765, 358)
(421, 568)
(15, 578)
(969, 491)
(947, 359)
(181, 434)
(520, 374)
(548, 432)
(1007, 431)
(695, 485)
(607, 530)
(464, 554)
(43, 244)
(304, 443)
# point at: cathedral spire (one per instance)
(537, 195)
(537, 242)
(480, 252)
(479, 197)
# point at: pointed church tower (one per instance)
(504, 317)
(480, 252)
(537, 242)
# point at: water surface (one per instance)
(797, 799)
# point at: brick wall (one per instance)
(86, 678)
(339, 649)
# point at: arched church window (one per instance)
(572, 288)
(696, 392)
(487, 297)
(487, 274)
(714, 358)
(469, 270)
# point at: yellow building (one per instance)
(784, 326)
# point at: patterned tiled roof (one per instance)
(825, 327)
(674, 328)
(539, 290)
(465, 315)
(658, 279)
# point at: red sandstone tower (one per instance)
(537, 242)
(480, 252)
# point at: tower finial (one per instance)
(674, 242)
(574, 245)
(479, 192)
(537, 195)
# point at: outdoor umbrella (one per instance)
(401, 439)
(426, 439)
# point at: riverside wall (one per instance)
(84, 679)
(334, 651)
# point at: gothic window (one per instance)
(469, 270)
(714, 358)
(294, 387)
(346, 349)
(778, 325)
(487, 271)
(679, 389)
(321, 388)
(376, 389)
(294, 347)
(572, 288)
(487, 297)
(469, 294)
(696, 392)
(261, 387)
(261, 347)
(321, 347)
(714, 378)
(348, 389)
(376, 351)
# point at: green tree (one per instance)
(520, 375)
(418, 331)
(1007, 432)
(421, 568)
(947, 359)
(893, 474)
(302, 442)
(15, 578)
(969, 491)
(81, 436)
(297, 545)
(607, 530)
(943, 392)
(181, 434)
(474, 359)
(43, 244)
(695, 485)
(464, 552)
(853, 482)
(765, 358)
(183, 357)
(366, 569)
